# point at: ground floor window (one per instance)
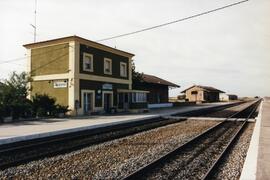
(88, 101)
(139, 97)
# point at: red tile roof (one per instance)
(206, 88)
(156, 80)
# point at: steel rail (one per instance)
(45, 142)
(42, 143)
(80, 134)
(76, 136)
(215, 165)
(148, 167)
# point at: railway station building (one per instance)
(84, 75)
(198, 93)
(158, 89)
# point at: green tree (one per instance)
(13, 98)
(14, 102)
(136, 76)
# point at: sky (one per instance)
(228, 49)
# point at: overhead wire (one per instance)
(172, 22)
(43, 65)
(141, 30)
(22, 58)
(55, 59)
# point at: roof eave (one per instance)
(72, 38)
(174, 86)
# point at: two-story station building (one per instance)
(84, 75)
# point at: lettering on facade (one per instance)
(60, 84)
(107, 86)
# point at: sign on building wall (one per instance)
(60, 84)
(107, 86)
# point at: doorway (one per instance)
(107, 101)
(87, 102)
(126, 101)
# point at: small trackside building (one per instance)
(198, 93)
(228, 97)
(158, 89)
(84, 75)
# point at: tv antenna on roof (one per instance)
(35, 22)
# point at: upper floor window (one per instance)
(88, 62)
(107, 66)
(123, 69)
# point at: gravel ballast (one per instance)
(194, 161)
(111, 160)
(228, 111)
(232, 165)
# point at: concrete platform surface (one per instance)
(257, 163)
(263, 167)
(26, 130)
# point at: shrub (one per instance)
(59, 109)
(43, 105)
(14, 102)
(22, 108)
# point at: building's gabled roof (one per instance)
(206, 88)
(156, 80)
(74, 38)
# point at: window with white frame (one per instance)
(88, 62)
(107, 66)
(123, 69)
(139, 97)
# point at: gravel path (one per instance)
(233, 163)
(110, 160)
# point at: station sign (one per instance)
(107, 86)
(60, 84)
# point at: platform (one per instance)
(257, 164)
(27, 130)
(263, 167)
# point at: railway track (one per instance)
(200, 157)
(23, 152)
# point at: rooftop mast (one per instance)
(35, 22)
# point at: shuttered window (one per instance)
(88, 62)
(107, 66)
(123, 69)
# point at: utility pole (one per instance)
(35, 22)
